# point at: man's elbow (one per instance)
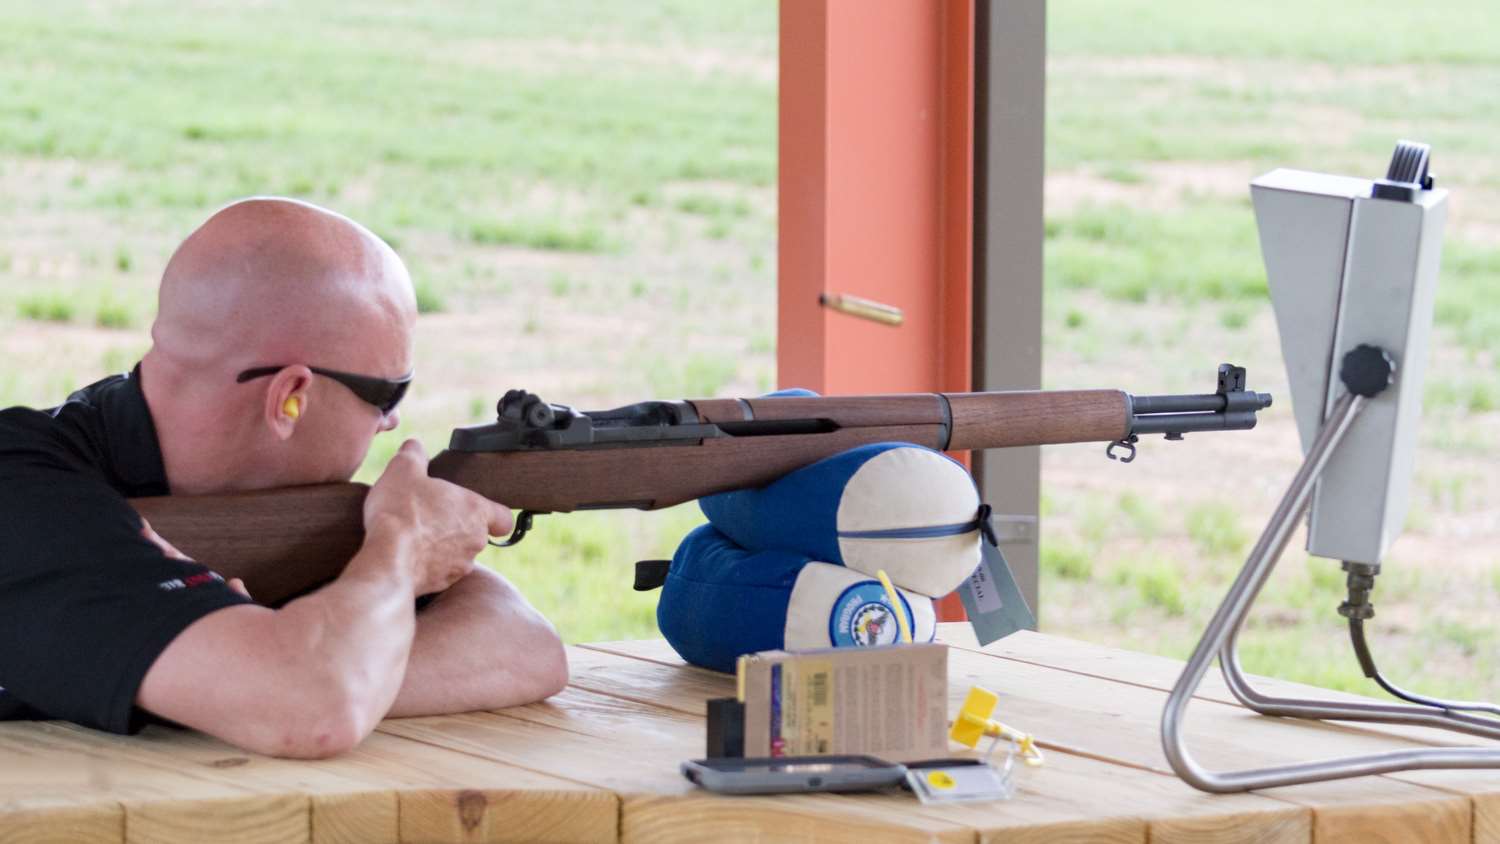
(329, 723)
(538, 662)
(329, 737)
(552, 674)
(538, 670)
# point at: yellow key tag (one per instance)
(960, 783)
(941, 779)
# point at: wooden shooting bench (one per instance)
(599, 762)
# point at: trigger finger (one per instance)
(501, 520)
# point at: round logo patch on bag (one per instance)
(862, 617)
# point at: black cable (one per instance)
(1362, 651)
(1357, 608)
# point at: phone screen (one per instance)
(796, 766)
(791, 774)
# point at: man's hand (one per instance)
(446, 524)
(171, 551)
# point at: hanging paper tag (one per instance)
(992, 600)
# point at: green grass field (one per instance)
(1152, 261)
(585, 193)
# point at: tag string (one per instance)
(896, 605)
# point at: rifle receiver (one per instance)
(526, 423)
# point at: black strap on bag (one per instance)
(651, 574)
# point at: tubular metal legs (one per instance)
(1220, 639)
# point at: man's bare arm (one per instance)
(480, 645)
(309, 680)
(314, 678)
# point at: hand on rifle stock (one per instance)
(171, 551)
(445, 525)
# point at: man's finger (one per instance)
(410, 458)
(413, 448)
(239, 586)
(166, 547)
(500, 518)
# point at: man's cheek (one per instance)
(357, 454)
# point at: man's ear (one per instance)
(287, 400)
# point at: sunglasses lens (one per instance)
(394, 397)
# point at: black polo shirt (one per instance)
(87, 604)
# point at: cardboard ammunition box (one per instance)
(889, 702)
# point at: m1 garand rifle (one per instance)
(541, 458)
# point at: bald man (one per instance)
(281, 347)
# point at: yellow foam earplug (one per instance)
(292, 407)
(974, 722)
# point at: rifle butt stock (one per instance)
(281, 542)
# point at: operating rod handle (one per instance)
(1187, 423)
(1185, 414)
(1200, 403)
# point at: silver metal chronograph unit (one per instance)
(1352, 266)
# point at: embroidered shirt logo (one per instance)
(188, 582)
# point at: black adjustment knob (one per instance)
(509, 406)
(1407, 176)
(537, 413)
(1367, 370)
(525, 409)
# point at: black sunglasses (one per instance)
(384, 393)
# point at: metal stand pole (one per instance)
(1221, 637)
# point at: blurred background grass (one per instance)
(585, 193)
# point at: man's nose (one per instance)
(390, 421)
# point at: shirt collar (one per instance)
(132, 453)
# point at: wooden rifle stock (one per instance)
(281, 542)
(286, 541)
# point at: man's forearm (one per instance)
(361, 626)
(480, 645)
(310, 679)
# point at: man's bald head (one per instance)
(272, 282)
(276, 280)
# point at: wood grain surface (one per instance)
(101, 823)
(1118, 723)
(599, 762)
(280, 542)
(1061, 794)
(1038, 417)
(1480, 787)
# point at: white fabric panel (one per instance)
(911, 487)
(827, 599)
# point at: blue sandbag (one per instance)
(903, 508)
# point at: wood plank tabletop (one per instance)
(599, 762)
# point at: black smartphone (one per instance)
(793, 774)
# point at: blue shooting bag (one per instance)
(793, 564)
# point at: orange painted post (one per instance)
(876, 196)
